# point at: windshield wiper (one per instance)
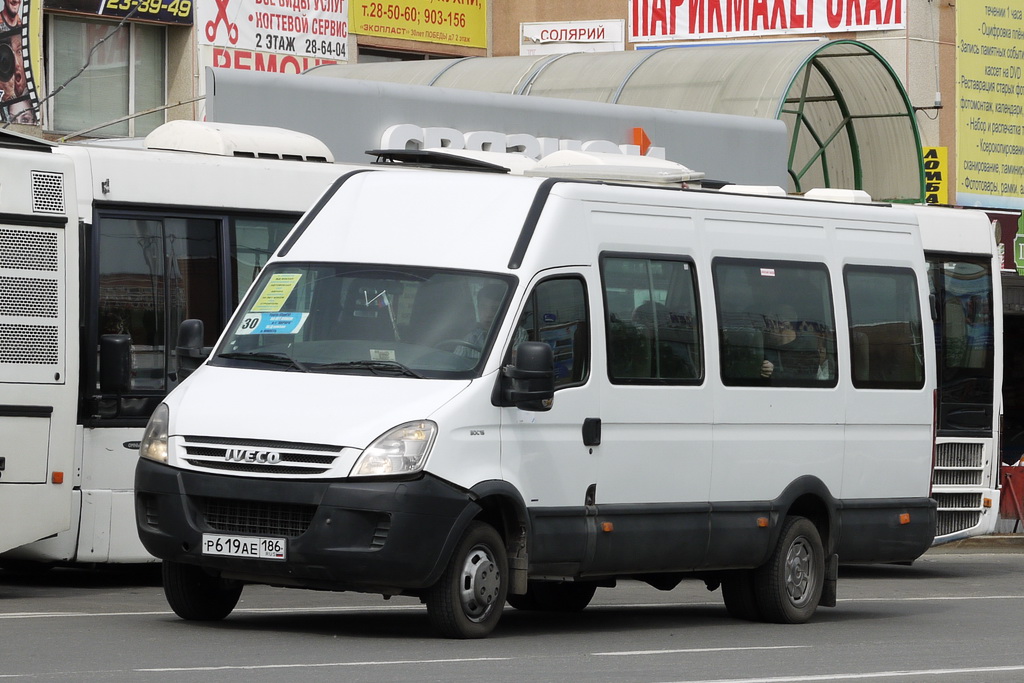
(272, 357)
(374, 366)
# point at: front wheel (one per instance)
(195, 595)
(468, 599)
(789, 585)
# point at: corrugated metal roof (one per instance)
(850, 121)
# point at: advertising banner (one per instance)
(450, 22)
(936, 175)
(313, 29)
(990, 104)
(20, 39)
(702, 19)
(177, 12)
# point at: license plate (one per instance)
(255, 547)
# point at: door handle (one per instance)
(592, 431)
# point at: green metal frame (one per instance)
(793, 104)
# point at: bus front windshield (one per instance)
(361, 319)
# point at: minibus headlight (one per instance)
(402, 450)
(154, 440)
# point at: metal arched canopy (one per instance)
(850, 121)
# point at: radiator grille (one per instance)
(24, 250)
(248, 517)
(957, 478)
(302, 459)
(952, 521)
(47, 192)
(959, 464)
(965, 501)
(959, 455)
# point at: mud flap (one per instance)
(828, 591)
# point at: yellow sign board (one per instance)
(936, 175)
(450, 22)
(990, 104)
(276, 292)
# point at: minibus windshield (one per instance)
(391, 321)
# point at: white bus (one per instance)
(964, 263)
(104, 249)
(507, 388)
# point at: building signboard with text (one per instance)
(701, 19)
(990, 104)
(559, 37)
(280, 36)
(447, 22)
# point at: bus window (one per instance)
(652, 321)
(556, 313)
(886, 343)
(965, 336)
(253, 241)
(776, 323)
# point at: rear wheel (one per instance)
(195, 595)
(468, 599)
(740, 597)
(788, 587)
(554, 596)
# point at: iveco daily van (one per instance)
(479, 388)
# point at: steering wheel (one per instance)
(453, 344)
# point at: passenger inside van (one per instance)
(791, 351)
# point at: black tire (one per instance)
(555, 596)
(740, 597)
(788, 587)
(195, 595)
(468, 599)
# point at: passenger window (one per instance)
(652, 320)
(886, 343)
(776, 323)
(556, 313)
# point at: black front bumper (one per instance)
(372, 536)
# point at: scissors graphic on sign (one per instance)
(222, 13)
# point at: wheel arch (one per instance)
(502, 506)
(809, 497)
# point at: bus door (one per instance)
(546, 454)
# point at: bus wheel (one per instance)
(788, 587)
(467, 601)
(555, 596)
(740, 597)
(195, 595)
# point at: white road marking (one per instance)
(627, 653)
(322, 665)
(866, 676)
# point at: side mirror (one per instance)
(189, 348)
(529, 383)
(115, 363)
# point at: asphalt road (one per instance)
(954, 615)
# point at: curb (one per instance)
(992, 543)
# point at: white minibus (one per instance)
(479, 388)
